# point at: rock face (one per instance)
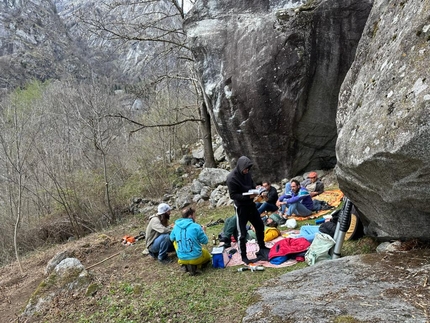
(383, 146)
(390, 287)
(271, 72)
(34, 44)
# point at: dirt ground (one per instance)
(16, 290)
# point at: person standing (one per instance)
(239, 181)
(188, 237)
(158, 235)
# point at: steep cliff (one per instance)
(34, 44)
(383, 147)
(271, 72)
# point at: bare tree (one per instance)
(20, 125)
(157, 25)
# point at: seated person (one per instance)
(271, 196)
(314, 186)
(188, 238)
(271, 230)
(297, 201)
(229, 230)
(157, 234)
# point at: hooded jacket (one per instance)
(239, 183)
(189, 237)
(154, 229)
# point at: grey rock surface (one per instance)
(383, 146)
(213, 176)
(35, 44)
(388, 287)
(271, 72)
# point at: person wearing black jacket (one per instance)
(271, 194)
(239, 181)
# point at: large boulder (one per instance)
(271, 72)
(388, 287)
(383, 146)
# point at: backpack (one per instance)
(319, 249)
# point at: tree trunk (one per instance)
(112, 213)
(207, 136)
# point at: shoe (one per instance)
(263, 254)
(165, 261)
(206, 264)
(154, 255)
(145, 252)
(192, 269)
(245, 260)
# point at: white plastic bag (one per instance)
(291, 223)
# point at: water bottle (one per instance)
(243, 269)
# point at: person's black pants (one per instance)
(245, 214)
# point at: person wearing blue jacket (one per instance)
(188, 237)
(298, 201)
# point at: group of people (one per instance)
(186, 237)
(296, 200)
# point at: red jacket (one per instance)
(289, 246)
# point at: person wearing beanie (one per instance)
(188, 237)
(158, 234)
(240, 181)
(313, 184)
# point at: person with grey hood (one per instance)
(239, 181)
(158, 234)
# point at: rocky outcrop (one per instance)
(383, 146)
(271, 72)
(387, 287)
(34, 44)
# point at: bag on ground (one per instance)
(319, 249)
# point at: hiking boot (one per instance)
(154, 255)
(165, 261)
(192, 270)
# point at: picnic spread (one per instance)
(288, 248)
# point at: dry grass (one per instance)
(131, 287)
